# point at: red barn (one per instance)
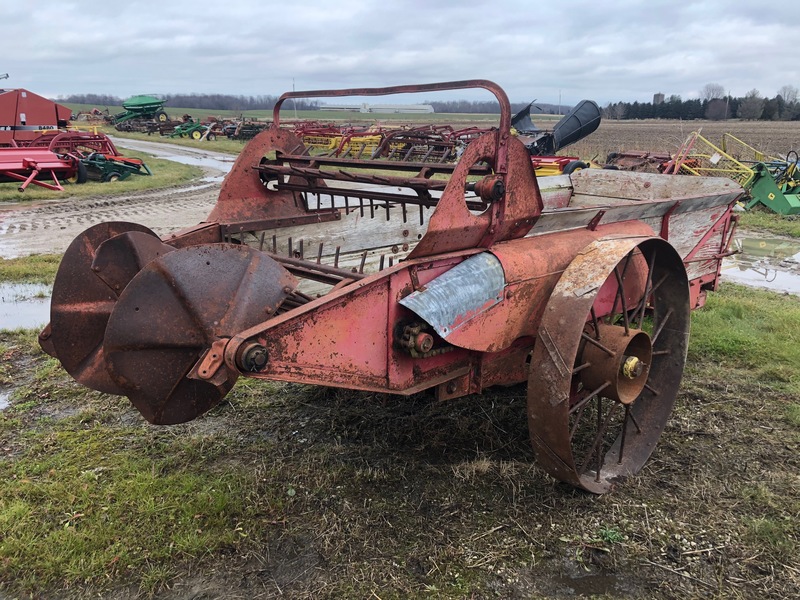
(24, 114)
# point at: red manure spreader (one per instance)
(397, 276)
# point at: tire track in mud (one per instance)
(50, 226)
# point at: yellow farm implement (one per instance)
(770, 181)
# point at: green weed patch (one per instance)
(761, 219)
(39, 268)
(746, 328)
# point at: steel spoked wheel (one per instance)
(602, 387)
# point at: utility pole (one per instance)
(294, 101)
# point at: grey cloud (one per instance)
(625, 50)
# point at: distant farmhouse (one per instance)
(380, 108)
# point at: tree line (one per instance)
(199, 101)
(714, 104)
(243, 103)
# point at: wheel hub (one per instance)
(618, 359)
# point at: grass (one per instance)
(317, 493)
(793, 414)
(220, 144)
(761, 219)
(39, 268)
(165, 174)
(754, 330)
(83, 496)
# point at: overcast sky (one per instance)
(605, 51)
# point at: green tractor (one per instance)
(771, 181)
(194, 130)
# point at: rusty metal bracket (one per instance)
(455, 388)
(209, 364)
(592, 225)
(665, 220)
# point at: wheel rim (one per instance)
(197, 135)
(601, 389)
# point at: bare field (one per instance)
(771, 137)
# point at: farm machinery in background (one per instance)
(141, 112)
(35, 149)
(398, 276)
(211, 128)
(770, 181)
(243, 129)
(578, 123)
(90, 119)
(74, 156)
(24, 115)
(415, 143)
(208, 129)
(639, 161)
(446, 144)
(39, 166)
(196, 130)
(405, 143)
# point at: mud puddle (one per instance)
(770, 263)
(24, 305)
(207, 160)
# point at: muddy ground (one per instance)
(49, 226)
(358, 495)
